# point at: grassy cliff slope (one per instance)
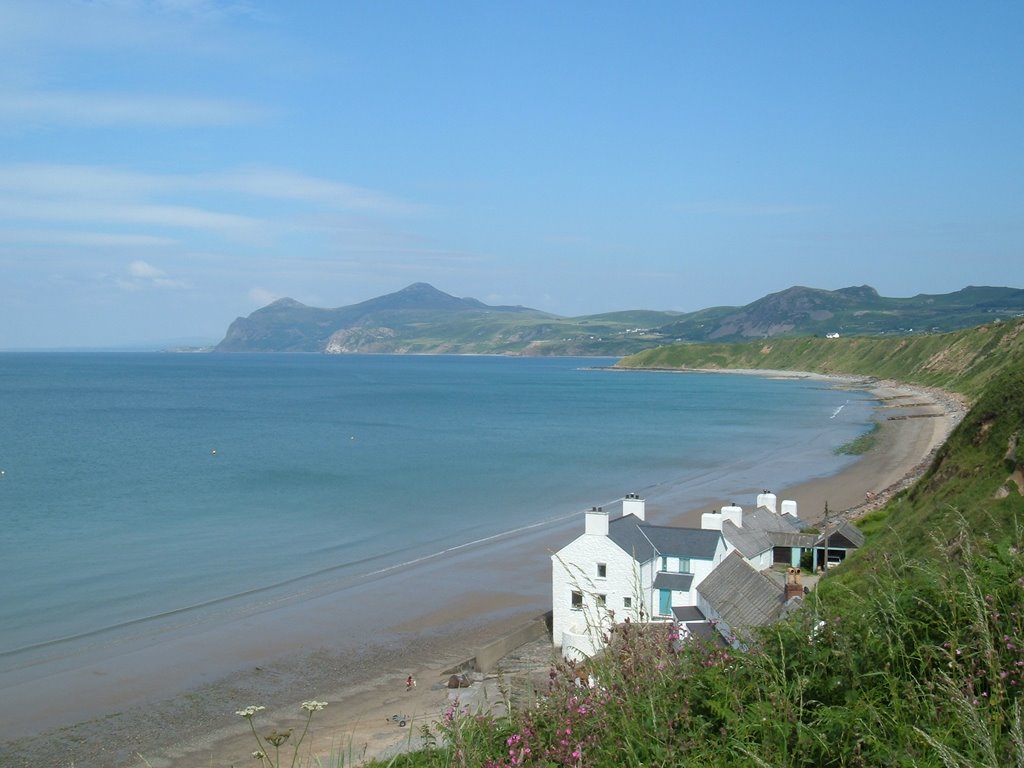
(961, 361)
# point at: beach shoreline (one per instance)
(366, 689)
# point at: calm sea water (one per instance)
(138, 487)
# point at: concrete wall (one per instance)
(489, 655)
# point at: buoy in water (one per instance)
(213, 452)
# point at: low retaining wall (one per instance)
(489, 655)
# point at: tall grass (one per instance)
(927, 670)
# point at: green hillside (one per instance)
(962, 361)
(911, 654)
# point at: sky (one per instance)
(169, 165)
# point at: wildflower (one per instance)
(248, 712)
(313, 706)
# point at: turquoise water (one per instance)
(141, 486)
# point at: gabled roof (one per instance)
(748, 541)
(742, 596)
(679, 582)
(756, 534)
(644, 542)
(625, 532)
(842, 535)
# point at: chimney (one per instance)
(793, 586)
(711, 521)
(596, 522)
(632, 504)
(789, 508)
(768, 500)
(734, 513)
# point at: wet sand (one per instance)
(363, 678)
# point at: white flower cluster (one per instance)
(248, 712)
(313, 706)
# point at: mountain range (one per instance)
(421, 319)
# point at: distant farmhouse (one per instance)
(737, 571)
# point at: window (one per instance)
(602, 570)
(577, 600)
(602, 600)
(664, 564)
(627, 602)
(684, 565)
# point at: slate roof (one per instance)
(780, 539)
(756, 535)
(680, 582)
(748, 541)
(625, 532)
(843, 535)
(644, 542)
(740, 595)
(685, 613)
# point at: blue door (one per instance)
(665, 608)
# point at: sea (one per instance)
(140, 491)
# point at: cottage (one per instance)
(625, 567)
(764, 537)
(723, 575)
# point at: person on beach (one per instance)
(410, 683)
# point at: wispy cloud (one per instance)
(283, 184)
(261, 296)
(142, 275)
(83, 238)
(189, 25)
(279, 184)
(137, 214)
(70, 196)
(103, 109)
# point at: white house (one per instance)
(765, 536)
(625, 567)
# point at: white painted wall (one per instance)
(578, 631)
(575, 568)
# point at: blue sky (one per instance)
(168, 165)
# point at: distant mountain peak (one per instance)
(422, 296)
(422, 319)
(284, 303)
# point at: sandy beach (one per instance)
(365, 683)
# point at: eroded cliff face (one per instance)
(380, 339)
(1013, 463)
